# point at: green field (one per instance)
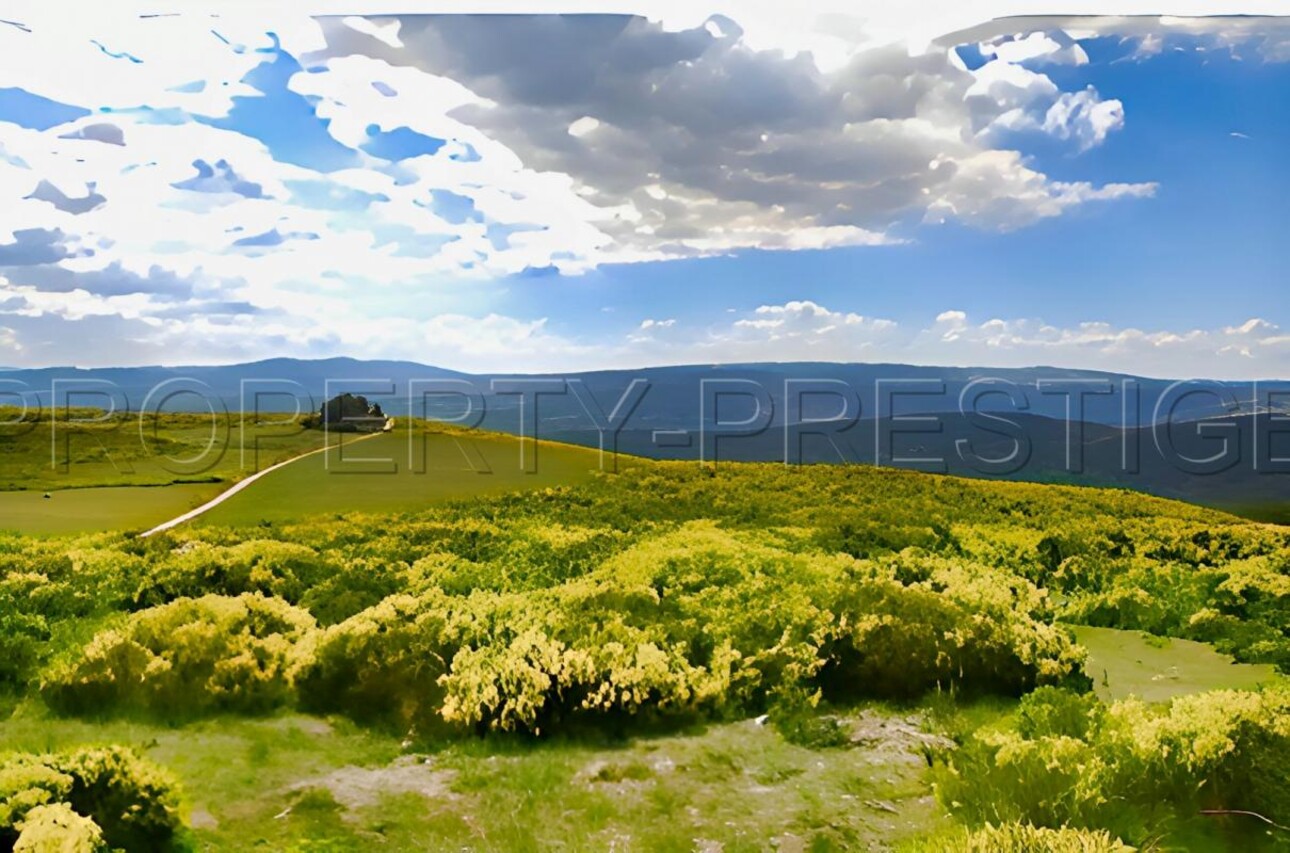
(269, 783)
(87, 510)
(133, 450)
(115, 480)
(341, 482)
(1156, 669)
(129, 473)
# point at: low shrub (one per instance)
(189, 657)
(1054, 712)
(1131, 768)
(382, 665)
(696, 621)
(26, 782)
(282, 569)
(135, 802)
(353, 587)
(965, 628)
(23, 640)
(58, 829)
(1027, 838)
(91, 799)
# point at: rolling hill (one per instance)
(667, 418)
(444, 466)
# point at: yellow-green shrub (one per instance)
(1026, 838)
(26, 783)
(130, 803)
(696, 620)
(1132, 766)
(281, 569)
(58, 829)
(188, 657)
(383, 664)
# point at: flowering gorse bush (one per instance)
(191, 656)
(1130, 766)
(92, 799)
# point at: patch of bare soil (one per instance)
(362, 787)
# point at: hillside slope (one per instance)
(402, 472)
(652, 627)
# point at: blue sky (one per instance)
(548, 193)
(1209, 247)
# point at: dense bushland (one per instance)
(696, 620)
(664, 589)
(673, 591)
(796, 575)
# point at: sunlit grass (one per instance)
(298, 782)
(398, 472)
(1156, 669)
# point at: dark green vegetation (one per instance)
(598, 653)
(348, 413)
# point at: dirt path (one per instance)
(242, 484)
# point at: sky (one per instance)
(546, 192)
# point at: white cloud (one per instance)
(806, 331)
(112, 330)
(620, 141)
(1084, 116)
(1025, 197)
(1007, 98)
(1258, 30)
(708, 145)
(386, 31)
(9, 341)
(1253, 326)
(709, 83)
(1148, 46)
(118, 61)
(583, 126)
(696, 141)
(807, 319)
(1040, 47)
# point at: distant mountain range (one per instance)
(673, 397)
(1157, 425)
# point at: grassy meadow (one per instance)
(409, 654)
(85, 510)
(402, 471)
(74, 449)
(129, 474)
(71, 473)
(1125, 664)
